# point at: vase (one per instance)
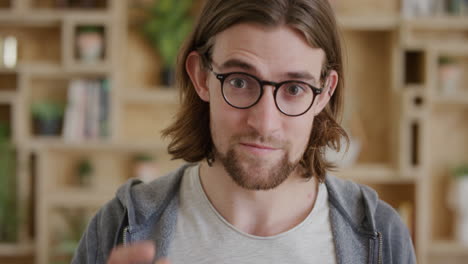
(48, 127)
(449, 78)
(90, 46)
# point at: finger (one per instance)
(134, 253)
(163, 261)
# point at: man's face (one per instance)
(260, 147)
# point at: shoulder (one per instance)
(396, 238)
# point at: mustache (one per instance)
(255, 137)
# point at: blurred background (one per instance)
(87, 85)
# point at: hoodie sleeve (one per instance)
(100, 235)
(396, 239)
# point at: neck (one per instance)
(260, 213)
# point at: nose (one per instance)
(264, 117)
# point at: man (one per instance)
(262, 85)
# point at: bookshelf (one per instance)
(394, 102)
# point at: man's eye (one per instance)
(238, 83)
(294, 89)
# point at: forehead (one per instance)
(271, 50)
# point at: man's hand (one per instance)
(140, 252)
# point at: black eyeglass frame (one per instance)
(222, 76)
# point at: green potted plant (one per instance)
(8, 208)
(84, 172)
(166, 26)
(48, 117)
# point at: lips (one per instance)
(258, 146)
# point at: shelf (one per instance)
(368, 22)
(49, 17)
(7, 97)
(73, 197)
(374, 173)
(155, 95)
(437, 23)
(57, 143)
(9, 250)
(448, 248)
(8, 70)
(457, 99)
(56, 70)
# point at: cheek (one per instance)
(224, 121)
(300, 134)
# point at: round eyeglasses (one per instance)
(242, 90)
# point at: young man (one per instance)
(262, 85)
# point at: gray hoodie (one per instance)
(365, 229)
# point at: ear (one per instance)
(198, 76)
(328, 89)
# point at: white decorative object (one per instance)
(458, 201)
(90, 44)
(10, 52)
(345, 158)
(450, 76)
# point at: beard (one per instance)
(257, 176)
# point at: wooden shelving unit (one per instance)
(392, 94)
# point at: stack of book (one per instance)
(87, 111)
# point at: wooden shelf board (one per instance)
(73, 197)
(45, 17)
(93, 68)
(156, 95)
(368, 22)
(458, 99)
(54, 70)
(57, 143)
(7, 97)
(20, 249)
(448, 248)
(438, 23)
(374, 173)
(8, 70)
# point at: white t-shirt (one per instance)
(202, 235)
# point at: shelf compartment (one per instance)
(66, 225)
(109, 170)
(5, 4)
(92, 55)
(8, 81)
(35, 43)
(452, 80)
(415, 71)
(144, 122)
(6, 116)
(447, 148)
(369, 82)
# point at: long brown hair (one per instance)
(190, 132)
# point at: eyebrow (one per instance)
(236, 63)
